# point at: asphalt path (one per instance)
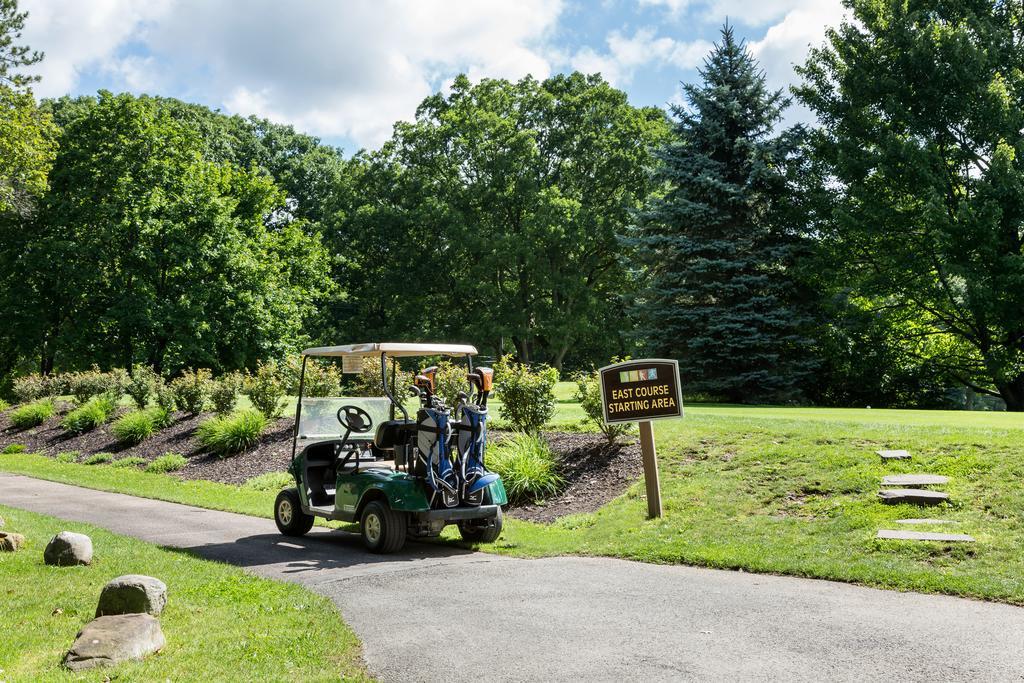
(434, 613)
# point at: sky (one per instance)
(346, 70)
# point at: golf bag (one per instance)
(433, 441)
(471, 439)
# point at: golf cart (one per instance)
(366, 460)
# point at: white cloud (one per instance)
(786, 44)
(79, 35)
(626, 54)
(334, 69)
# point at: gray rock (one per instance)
(10, 542)
(900, 535)
(926, 521)
(68, 548)
(133, 594)
(105, 641)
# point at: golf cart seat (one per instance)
(392, 432)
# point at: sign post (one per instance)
(641, 391)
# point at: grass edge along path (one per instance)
(785, 496)
(220, 622)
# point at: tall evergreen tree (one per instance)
(716, 245)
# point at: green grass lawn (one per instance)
(768, 489)
(219, 621)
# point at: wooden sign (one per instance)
(641, 391)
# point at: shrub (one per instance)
(527, 396)
(449, 380)
(168, 462)
(367, 382)
(322, 377)
(228, 435)
(164, 396)
(134, 427)
(98, 459)
(85, 385)
(32, 414)
(4, 405)
(90, 415)
(224, 392)
(271, 481)
(266, 389)
(133, 461)
(142, 385)
(68, 456)
(527, 468)
(191, 390)
(588, 393)
(14, 448)
(29, 388)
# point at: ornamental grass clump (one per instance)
(14, 448)
(168, 462)
(137, 426)
(98, 459)
(68, 456)
(32, 414)
(527, 467)
(271, 481)
(232, 434)
(90, 415)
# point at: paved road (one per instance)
(577, 618)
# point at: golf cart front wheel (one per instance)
(382, 528)
(288, 514)
(481, 531)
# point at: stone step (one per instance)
(913, 496)
(899, 535)
(894, 455)
(914, 480)
(926, 521)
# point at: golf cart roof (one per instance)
(393, 349)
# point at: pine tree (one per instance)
(715, 245)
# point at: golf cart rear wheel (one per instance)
(481, 531)
(382, 528)
(288, 514)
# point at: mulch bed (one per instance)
(595, 472)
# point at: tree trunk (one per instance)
(1013, 393)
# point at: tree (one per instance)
(12, 55)
(494, 216)
(144, 251)
(718, 243)
(923, 134)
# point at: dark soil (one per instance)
(594, 472)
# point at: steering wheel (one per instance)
(355, 419)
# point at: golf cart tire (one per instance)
(288, 514)
(475, 533)
(385, 535)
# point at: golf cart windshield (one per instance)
(318, 419)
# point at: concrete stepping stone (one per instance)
(900, 535)
(912, 496)
(926, 521)
(893, 455)
(914, 480)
